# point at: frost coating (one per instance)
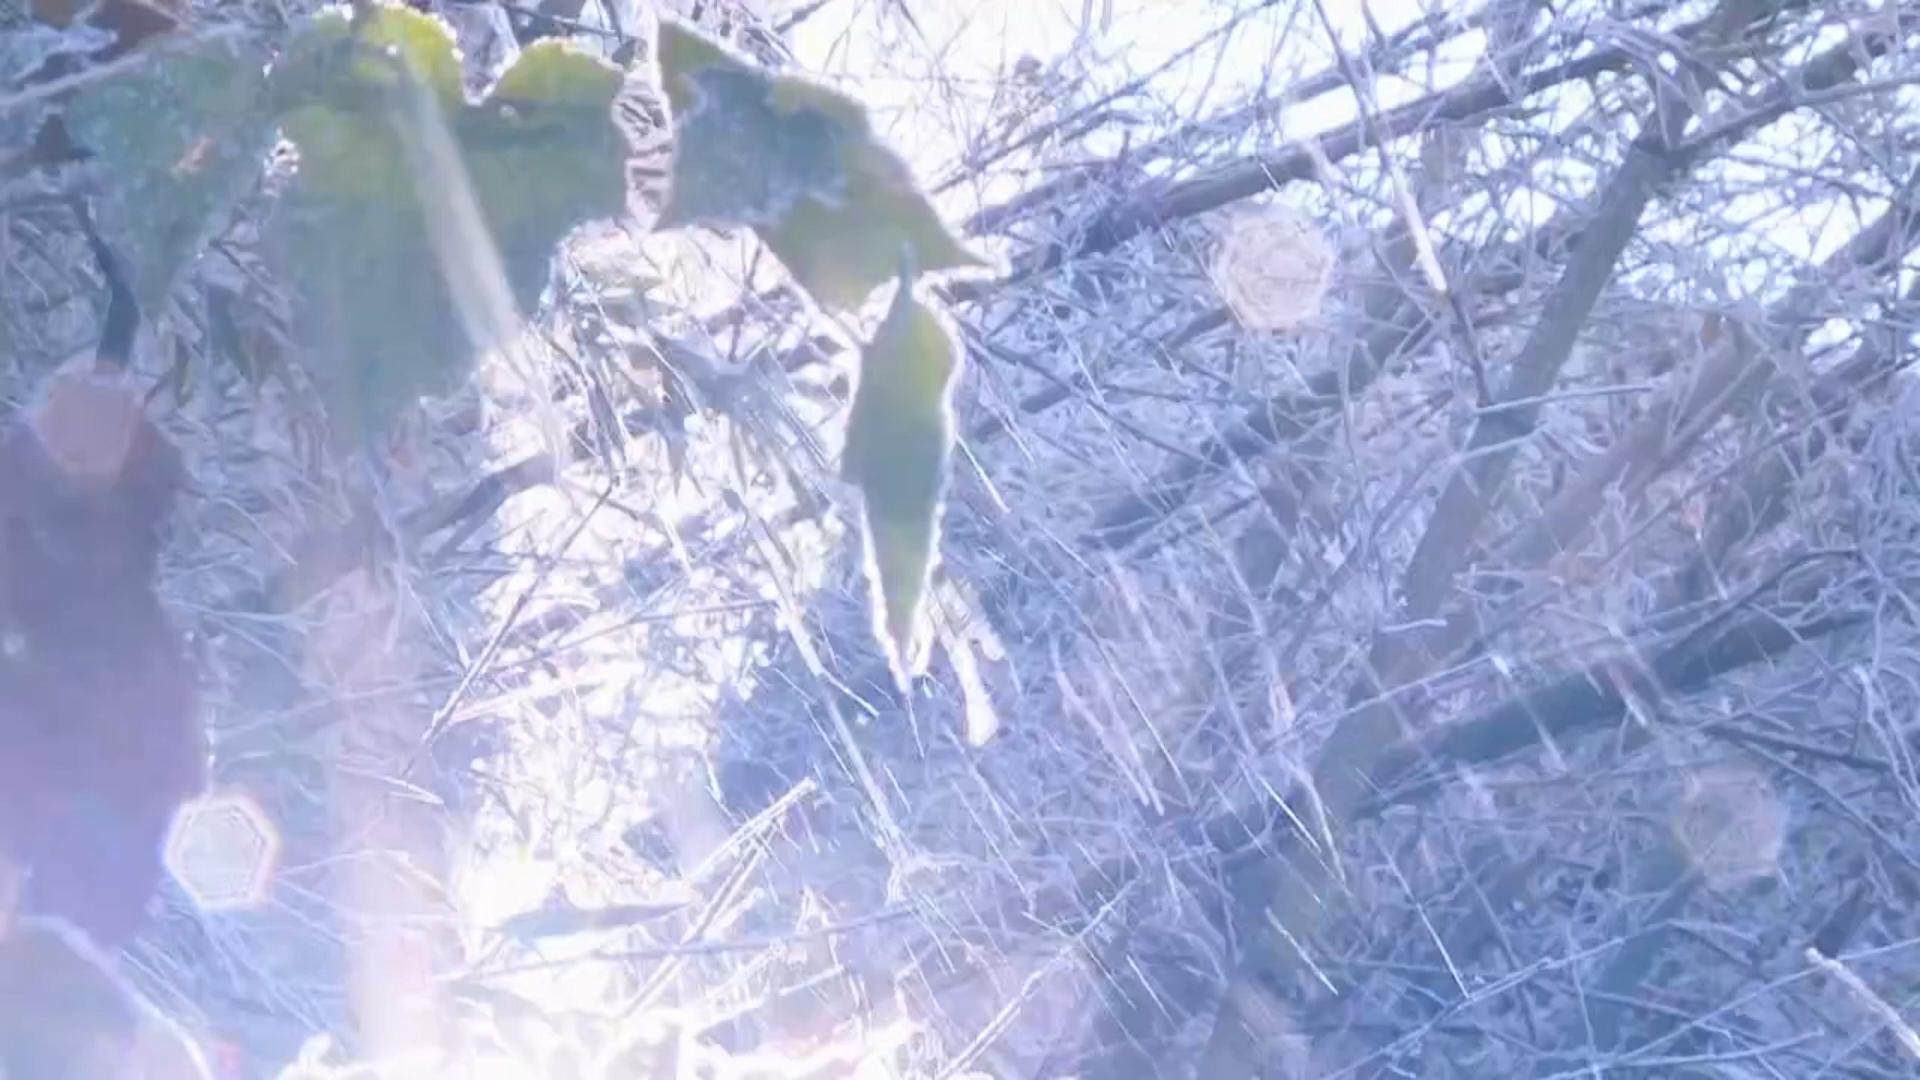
(181, 136)
(741, 160)
(540, 152)
(797, 162)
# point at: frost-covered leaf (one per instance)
(544, 156)
(540, 153)
(899, 435)
(337, 87)
(334, 57)
(742, 161)
(798, 163)
(177, 140)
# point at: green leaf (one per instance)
(540, 153)
(899, 435)
(544, 156)
(798, 163)
(743, 162)
(176, 140)
(335, 58)
(839, 250)
(337, 88)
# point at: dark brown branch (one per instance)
(1739, 363)
(1393, 323)
(1471, 100)
(1476, 485)
(1761, 496)
(1388, 55)
(1349, 763)
(1269, 862)
(1583, 701)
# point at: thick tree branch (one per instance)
(1294, 904)
(1471, 100)
(1389, 55)
(1695, 401)
(1488, 458)
(1273, 882)
(1392, 323)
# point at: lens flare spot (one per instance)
(1731, 823)
(1273, 267)
(223, 850)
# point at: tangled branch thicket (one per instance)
(1502, 665)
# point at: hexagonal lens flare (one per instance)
(223, 851)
